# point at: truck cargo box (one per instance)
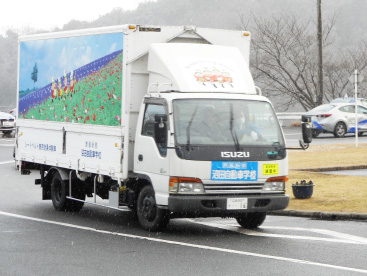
(79, 110)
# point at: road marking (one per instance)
(205, 247)
(6, 162)
(338, 237)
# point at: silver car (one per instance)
(360, 101)
(7, 123)
(337, 118)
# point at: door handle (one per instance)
(140, 157)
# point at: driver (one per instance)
(244, 128)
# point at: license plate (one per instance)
(236, 203)
(8, 124)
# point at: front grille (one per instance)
(230, 188)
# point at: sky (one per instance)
(19, 15)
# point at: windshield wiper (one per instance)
(233, 133)
(188, 128)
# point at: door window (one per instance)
(347, 108)
(149, 124)
(362, 110)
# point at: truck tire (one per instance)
(78, 191)
(251, 220)
(59, 191)
(150, 217)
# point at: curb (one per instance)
(321, 215)
(329, 169)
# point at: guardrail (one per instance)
(289, 118)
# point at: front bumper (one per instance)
(216, 206)
(317, 126)
(7, 129)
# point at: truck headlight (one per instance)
(185, 185)
(275, 184)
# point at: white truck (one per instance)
(163, 120)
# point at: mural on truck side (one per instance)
(74, 79)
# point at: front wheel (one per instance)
(251, 220)
(151, 217)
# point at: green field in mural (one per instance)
(96, 99)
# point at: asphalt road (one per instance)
(37, 240)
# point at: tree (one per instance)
(8, 69)
(34, 73)
(285, 64)
(343, 64)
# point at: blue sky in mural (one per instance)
(53, 56)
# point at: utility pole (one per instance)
(320, 94)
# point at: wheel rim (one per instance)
(340, 130)
(149, 208)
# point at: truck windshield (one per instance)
(225, 122)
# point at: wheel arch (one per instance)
(62, 172)
(142, 180)
(46, 181)
(344, 122)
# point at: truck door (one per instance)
(150, 156)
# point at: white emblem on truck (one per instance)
(228, 154)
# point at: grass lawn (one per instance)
(332, 193)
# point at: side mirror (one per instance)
(306, 129)
(160, 128)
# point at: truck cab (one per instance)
(208, 146)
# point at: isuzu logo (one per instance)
(238, 154)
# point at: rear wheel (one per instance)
(59, 191)
(78, 192)
(251, 220)
(151, 217)
(340, 130)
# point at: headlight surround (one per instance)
(275, 184)
(185, 185)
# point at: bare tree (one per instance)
(342, 65)
(284, 60)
